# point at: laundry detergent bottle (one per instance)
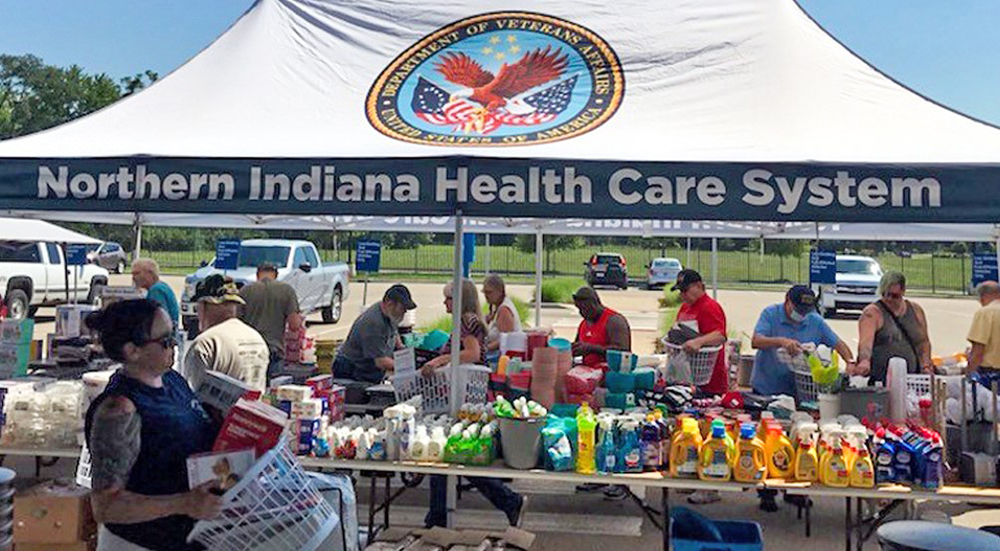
(684, 451)
(779, 453)
(715, 453)
(750, 464)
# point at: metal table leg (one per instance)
(665, 505)
(848, 529)
(859, 525)
(372, 508)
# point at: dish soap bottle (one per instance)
(586, 425)
(650, 443)
(833, 470)
(684, 451)
(714, 456)
(863, 471)
(779, 453)
(750, 464)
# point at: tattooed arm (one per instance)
(871, 320)
(114, 447)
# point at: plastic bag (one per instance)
(678, 370)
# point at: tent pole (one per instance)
(998, 257)
(687, 263)
(456, 351)
(487, 253)
(137, 252)
(715, 268)
(539, 241)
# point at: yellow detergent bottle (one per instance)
(806, 462)
(684, 451)
(779, 453)
(750, 464)
(833, 469)
(863, 471)
(715, 453)
(586, 426)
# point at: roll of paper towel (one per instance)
(896, 377)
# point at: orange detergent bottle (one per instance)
(684, 451)
(750, 463)
(779, 453)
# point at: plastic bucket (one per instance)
(521, 440)
(829, 406)
(561, 344)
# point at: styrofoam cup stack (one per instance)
(7, 477)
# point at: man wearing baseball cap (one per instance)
(787, 326)
(367, 354)
(225, 344)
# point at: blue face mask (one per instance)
(797, 317)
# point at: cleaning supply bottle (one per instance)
(863, 470)
(684, 451)
(750, 464)
(586, 425)
(806, 462)
(779, 453)
(665, 438)
(902, 461)
(649, 441)
(713, 458)
(833, 469)
(885, 453)
(629, 450)
(607, 454)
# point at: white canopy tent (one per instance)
(678, 109)
(19, 229)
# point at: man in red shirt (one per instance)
(602, 329)
(704, 315)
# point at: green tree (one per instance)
(35, 96)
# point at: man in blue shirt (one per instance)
(787, 326)
(146, 275)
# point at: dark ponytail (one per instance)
(128, 321)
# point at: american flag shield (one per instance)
(433, 104)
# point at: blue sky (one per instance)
(945, 50)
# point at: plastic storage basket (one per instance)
(473, 380)
(275, 507)
(806, 389)
(701, 363)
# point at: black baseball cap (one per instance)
(685, 279)
(217, 289)
(803, 299)
(400, 295)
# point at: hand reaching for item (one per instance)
(863, 368)
(201, 504)
(692, 346)
(792, 346)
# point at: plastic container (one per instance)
(473, 381)
(829, 406)
(684, 450)
(521, 440)
(750, 463)
(694, 532)
(863, 471)
(779, 453)
(833, 469)
(714, 455)
(586, 455)
(561, 344)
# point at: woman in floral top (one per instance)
(474, 329)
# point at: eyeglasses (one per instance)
(165, 342)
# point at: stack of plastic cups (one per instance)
(7, 508)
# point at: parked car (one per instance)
(33, 274)
(857, 285)
(663, 271)
(606, 269)
(320, 287)
(110, 256)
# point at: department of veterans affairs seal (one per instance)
(497, 79)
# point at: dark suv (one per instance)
(606, 269)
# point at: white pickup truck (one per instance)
(33, 274)
(320, 287)
(857, 285)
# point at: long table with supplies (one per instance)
(854, 525)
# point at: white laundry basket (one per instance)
(275, 507)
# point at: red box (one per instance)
(320, 383)
(335, 398)
(251, 425)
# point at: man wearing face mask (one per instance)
(366, 355)
(787, 326)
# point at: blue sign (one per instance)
(468, 252)
(368, 257)
(984, 268)
(227, 254)
(822, 267)
(76, 254)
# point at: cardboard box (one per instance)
(53, 512)
(222, 391)
(294, 393)
(89, 545)
(251, 424)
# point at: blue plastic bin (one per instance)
(736, 536)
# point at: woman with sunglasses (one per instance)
(140, 431)
(892, 327)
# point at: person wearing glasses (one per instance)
(140, 432)
(892, 327)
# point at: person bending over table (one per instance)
(473, 338)
(601, 329)
(140, 432)
(892, 327)
(787, 326)
(502, 316)
(366, 355)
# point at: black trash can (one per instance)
(921, 535)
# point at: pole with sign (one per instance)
(76, 255)
(227, 254)
(984, 268)
(367, 260)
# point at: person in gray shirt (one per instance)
(367, 354)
